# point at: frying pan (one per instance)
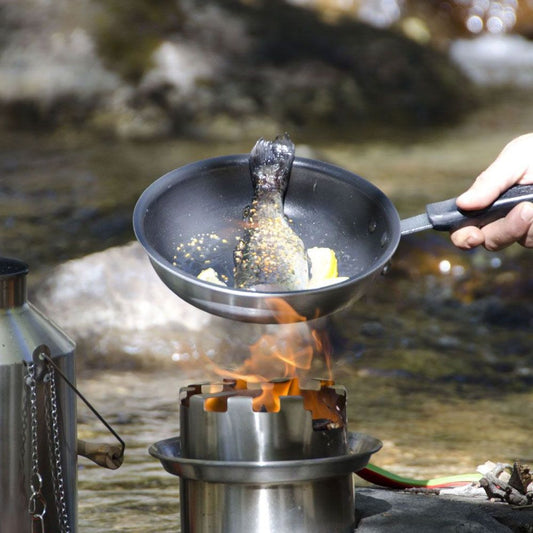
(191, 219)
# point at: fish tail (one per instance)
(271, 163)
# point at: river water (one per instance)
(437, 360)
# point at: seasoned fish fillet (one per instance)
(270, 256)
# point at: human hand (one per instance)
(513, 166)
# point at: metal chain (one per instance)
(47, 374)
(54, 441)
(24, 429)
(37, 502)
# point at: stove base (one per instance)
(301, 496)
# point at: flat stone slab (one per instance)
(396, 511)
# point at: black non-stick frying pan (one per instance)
(191, 218)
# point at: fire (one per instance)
(279, 360)
(326, 404)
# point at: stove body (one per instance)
(244, 469)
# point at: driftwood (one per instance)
(514, 491)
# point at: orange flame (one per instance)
(327, 404)
(278, 361)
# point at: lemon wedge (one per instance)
(324, 270)
(210, 275)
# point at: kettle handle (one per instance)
(109, 456)
(103, 454)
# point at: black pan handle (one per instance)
(446, 216)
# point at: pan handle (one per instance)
(446, 216)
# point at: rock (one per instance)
(495, 60)
(49, 70)
(373, 329)
(401, 512)
(512, 315)
(448, 342)
(116, 308)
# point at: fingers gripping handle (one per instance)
(446, 216)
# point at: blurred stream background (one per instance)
(98, 98)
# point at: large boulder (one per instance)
(118, 311)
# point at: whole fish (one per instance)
(270, 256)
